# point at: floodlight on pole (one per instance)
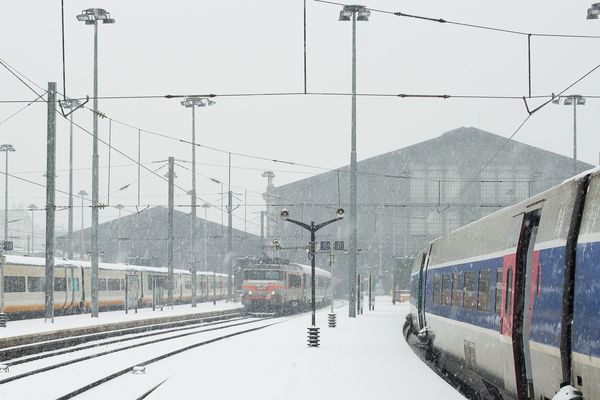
(353, 13)
(193, 102)
(91, 16)
(573, 100)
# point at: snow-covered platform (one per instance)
(35, 330)
(362, 358)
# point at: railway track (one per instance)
(66, 373)
(17, 352)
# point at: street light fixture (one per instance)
(6, 148)
(573, 100)
(313, 335)
(72, 105)
(353, 13)
(91, 16)
(593, 11)
(193, 102)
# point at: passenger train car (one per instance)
(274, 285)
(511, 303)
(24, 286)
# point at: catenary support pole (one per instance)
(170, 231)
(312, 247)
(262, 229)
(50, 202)
(574, 137)
(353, 241)
(95, 186)
(70, 223)
(229, 236)
(194, 259)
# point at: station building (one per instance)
(410, 196)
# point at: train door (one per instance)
(72, 285)
(524, 265)
(422, 288)
(132, 292)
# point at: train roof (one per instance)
(305, 269)
(62, 262)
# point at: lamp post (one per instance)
(32, 208)
(91, 16)
(81, 193)
(6, 148)
(313, 335)
(193, 102)
(593, 11)
(353, 13)
(72, 105)
(573, 100)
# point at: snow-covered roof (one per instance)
(61, 262)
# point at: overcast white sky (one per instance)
(241, 46)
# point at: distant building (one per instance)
(141, 239)
(410, 196)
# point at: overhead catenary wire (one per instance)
(144, 167)
(467, 25)
(443, 96)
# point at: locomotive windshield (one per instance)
(263, 275)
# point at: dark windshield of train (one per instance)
(263, 275)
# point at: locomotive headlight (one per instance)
(273, 293)
(249, 291)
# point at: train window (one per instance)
(14, 284)
(75, 284)
(507, 305)
(36, 284)
(469, 300)
(456, 289)
(122, 284)
(437, 289)
(102, 284)
(60, 284)
(113, 284)
(188, 285)
(446, 289)
(294, 281)
(498, 291)
(483, 290)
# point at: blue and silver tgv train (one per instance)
(512, 302)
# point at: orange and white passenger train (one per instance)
(274, 285)
(24, 286)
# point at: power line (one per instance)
(468, 25)
(21, 109)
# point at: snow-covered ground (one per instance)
(32, 326)
(362, 358)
